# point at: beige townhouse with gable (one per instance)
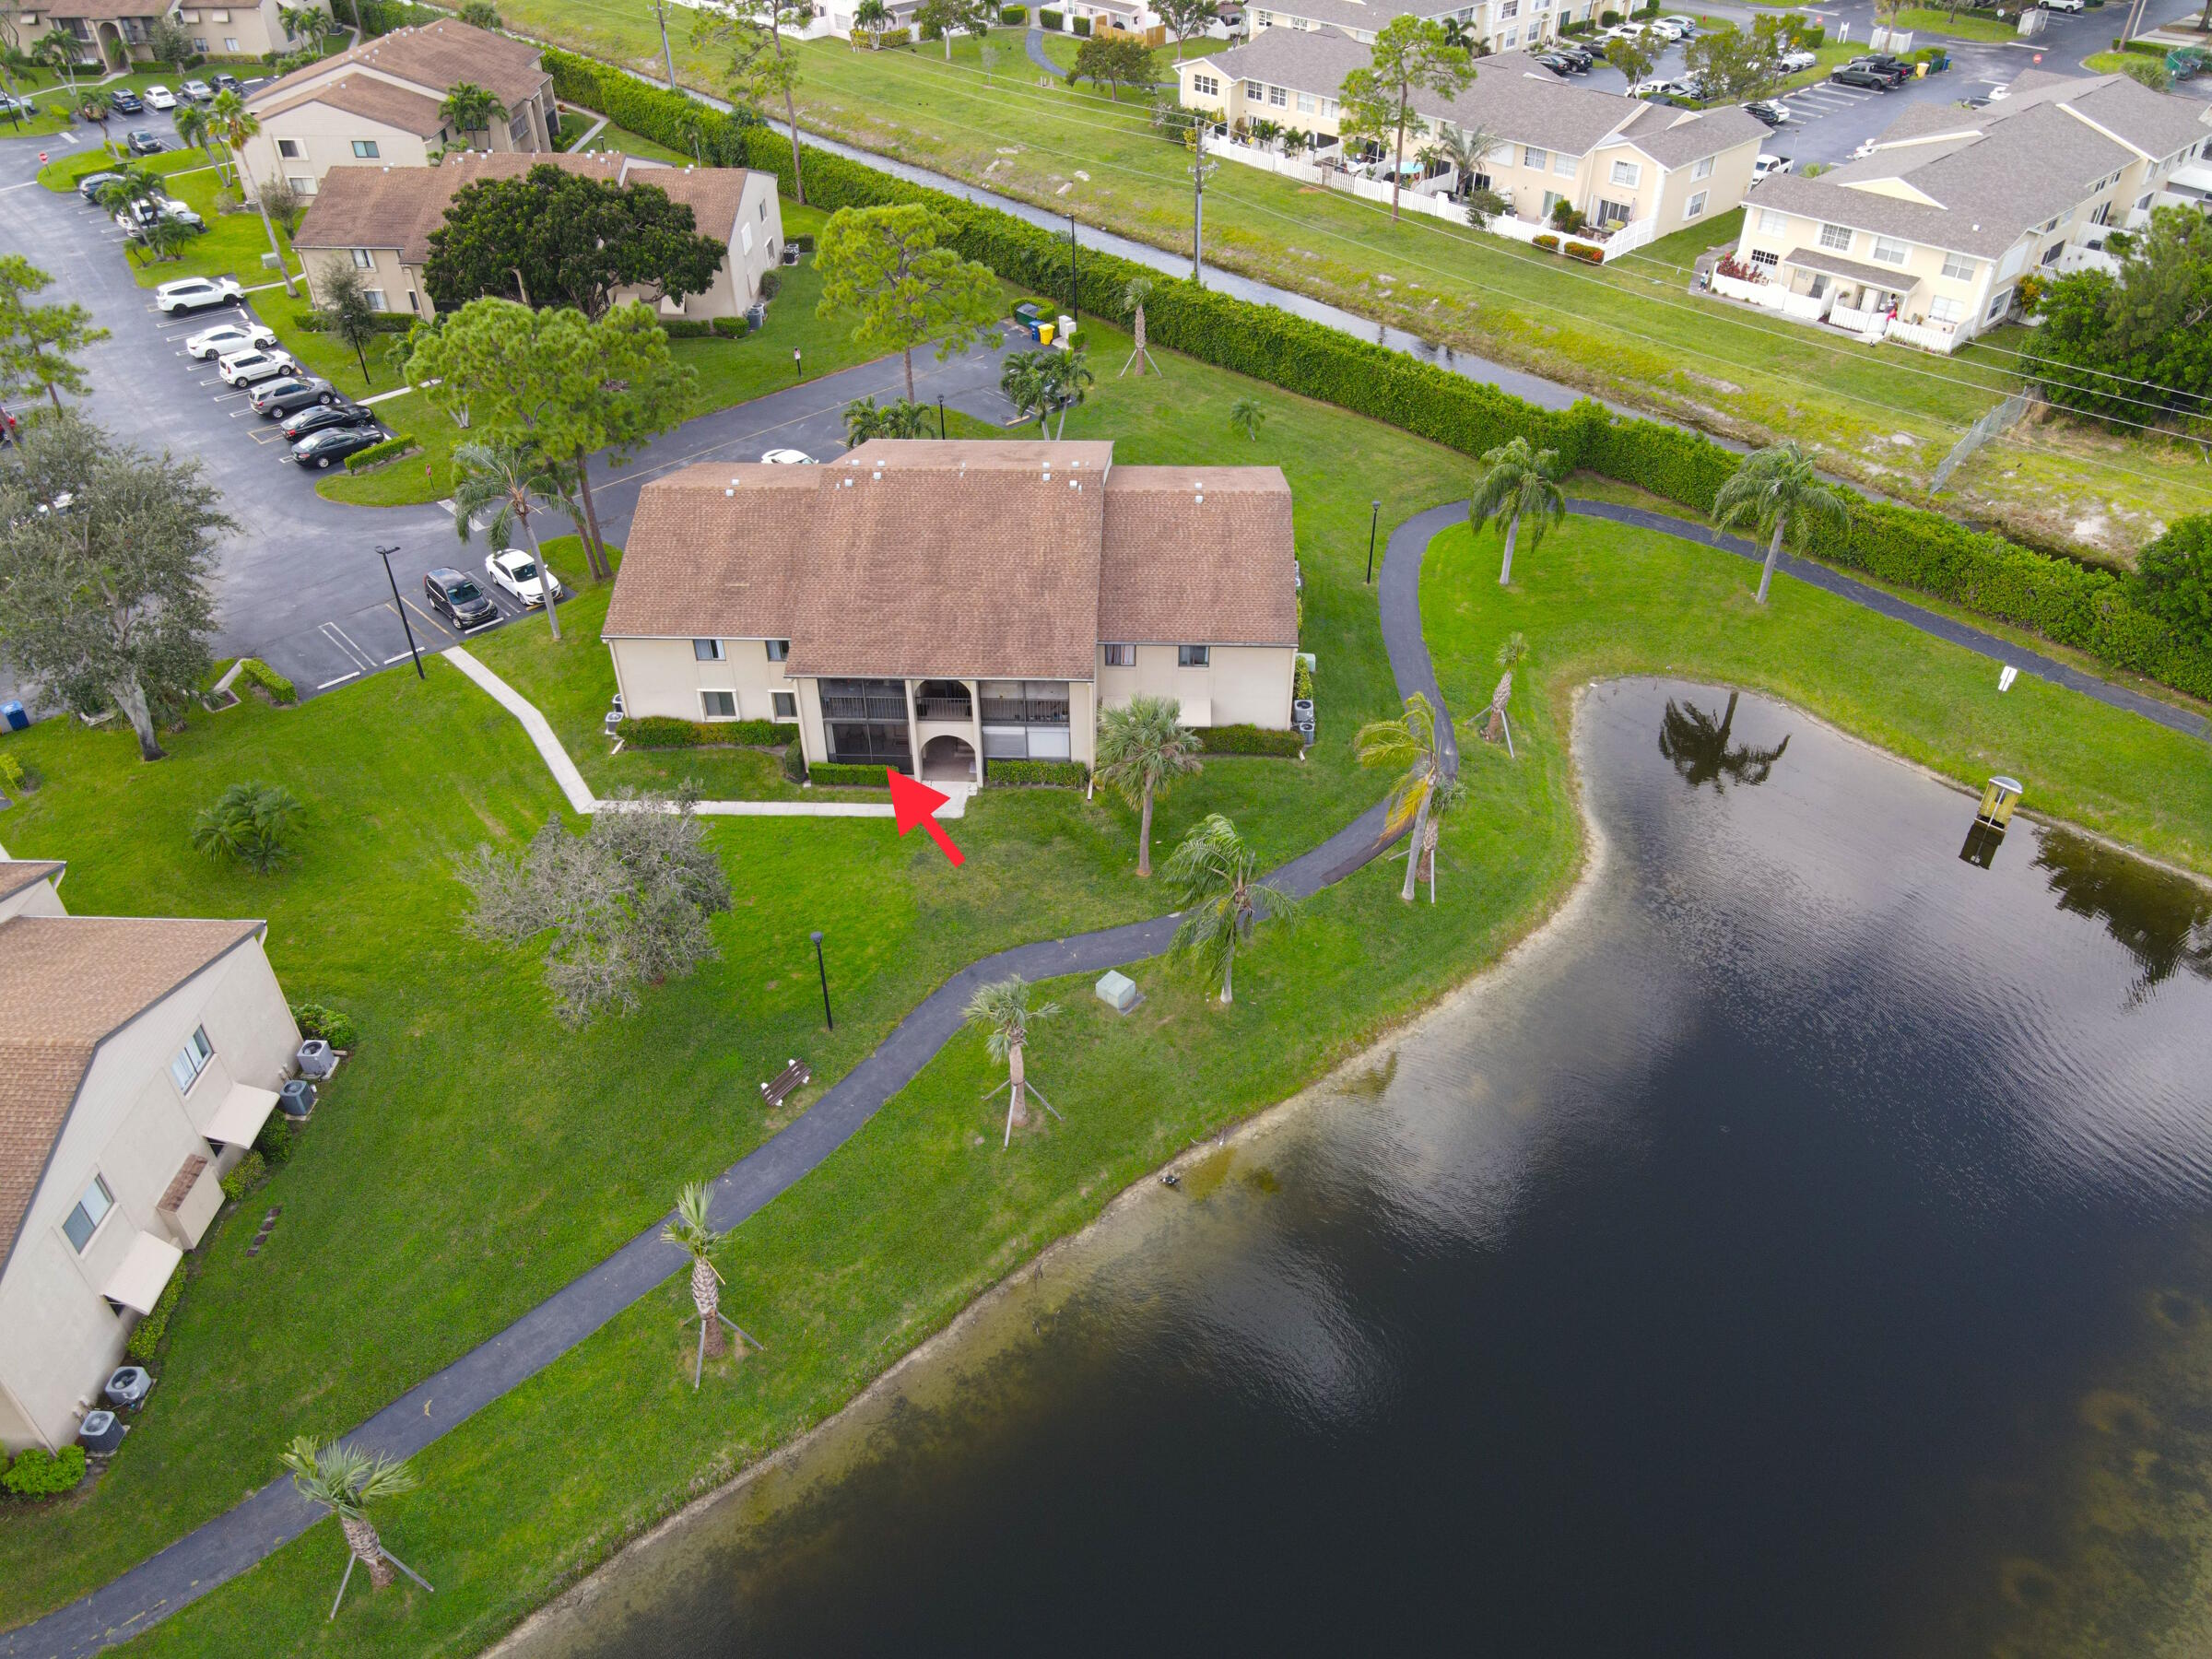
(1618, 160)
(379, 220)
(139, 1057)
(1503, 24)
(1925, 239)
(378, 104)
(947, 604)
(242, 31)
(120, 32)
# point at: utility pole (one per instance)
(1198, 208)
(1075, 302)
(660, 10)
(385, 554)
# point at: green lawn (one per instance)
(475, 1155)
(55, 107)
(1626, 331)
(235, 244)
(611, 138)
(1958, 26)
(62, 174)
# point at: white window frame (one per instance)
(1628, 175)
(1206, 86)
(1957, 267)
(1703, 170)
(1534, 160)
(375, 297)
(288, 149)
(783, 706)
(707, 651)
(190, 1064)
(778, 649)
(364, 259)
(706, 703)
(1278, 98)
(365, 149)
(1193, 656)
(1563, 166)
(1952, 317)
(1697, 204)
(1828, 234)
(97, 1188)
(1773, 222)
(1889, 251)
(1118, 654)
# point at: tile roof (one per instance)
(15, 873)
(66, 984)
(399, 206)
(372, 99)
(960, 559)
(434, 57)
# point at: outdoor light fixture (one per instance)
(1374, 517)
(1999, 796)
(385, 554)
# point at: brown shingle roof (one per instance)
(399, 206)
(962, 559)
(102, 9)
(434, 57)
(15, 873)
(372, 100)
(66, 984)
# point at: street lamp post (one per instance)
(1374, 517)
(385, 554)
(828, 1018)
(1074, 304)
(940, 414)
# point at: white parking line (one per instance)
(342, 678)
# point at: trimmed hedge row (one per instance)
(376, 454)
(654, 113)
(2074, 604)
(255, 672)
(1064, 774)
(1013, 15)
(146, 1338)
(382, 17)
(663, 731)
(1249, 740)
(701, 328)
(849, 777)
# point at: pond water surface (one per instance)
(1801, 1250)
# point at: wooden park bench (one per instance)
(785, 1084)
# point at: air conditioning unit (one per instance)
(295, 1100)
(126, 1387)
(101, 1434)
(316, 1058)
(1301, 712)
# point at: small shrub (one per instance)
(686, 329)
(1049, 18)
(1082, 27)
(275, 1144)
(841, 776)
(1249, 740)
(662, 731)
(731, 328)
(319, 1020)
(1301, 679)
(772, 283)
(376, 454)
(804, 241)
(2173, 577)
(146, 1338)
(249, 823)
(1609, 18)
(1013, 15)
(1583, 251)
(794, 763)
(1548, 242)
(240, 1181)
(1064, 774)
(42, 1473)
(255, 672)
(11, 774)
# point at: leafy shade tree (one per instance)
(624, 903)
(482, 14)
(1185, 18)
(692, 1231)
(555, 238)
(1247, 417)
(1730, 64)
(948, 18)
(1422, 752)
(1410, 55)
(1143, 748)
(1217, 877)
(883, 267)
(346, 312)
(1698, 747)
(1002, 1012)
(761, 69)
(1120, 61)
(864, 419)
(249, 824)
(469, 108)
(1517, 483)
(1778, 490)
(285, 206)
(568, 385)
(105, 605)
(237, 125)
(39, 343)
(504, 481)
(346, 1480)
(1631, 55)
(2112, 342)
(2173, 577)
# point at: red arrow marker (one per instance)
(916, 803)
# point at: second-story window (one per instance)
(706, 651)
(363, 257)
(191, 1060)
(1120, 656)
(1193, 656)
(84, 1221)
(364, 149)
(779, 650)
(1837, 236)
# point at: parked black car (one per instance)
(320, 416)
(289, 393)
(1873, 81)
(227, 82)
(1773, 115)
(91, 185)
(1881, 62)
(456, 595)
(1579, 59)
(327, 448)
(141, 142)
(124, 102)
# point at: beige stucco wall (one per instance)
(1769, 230)
(324, 139)
(130, 1126)
(1724, 188)
(255, 28)
(1240, 685)
(665, 677)
(37, 900)
(399, 284)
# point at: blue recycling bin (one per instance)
(13, 716)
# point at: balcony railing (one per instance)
(943, 707)
(863, 707)
(1025, 710)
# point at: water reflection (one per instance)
(2163, 919)
(1800, 1252)
(1698, 747)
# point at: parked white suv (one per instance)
(2062, 6)
(243, 368)
(191, 293)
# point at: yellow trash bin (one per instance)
(1999, 796)
(1044, 333)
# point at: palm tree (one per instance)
(1002, 1012)
(196, 127)
(236, 124)
(163, 239)
(1698, 747)
(1134, 295)
(1247, 417)
(1025, 380)
(1444, 800)
(93, 109)
(1520, 481)
(509, 480)
(1067, 373)
(1224, 899)
(694, 1232)
(1422, 750)
(1778, 490)
(1143, 748)
(57, 48)
(1469, 149)
(469, 108)
(873, 17)
(301, 22)
(1495, 721)
(346, 1480)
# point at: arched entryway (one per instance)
(115, 51)
(948, 759)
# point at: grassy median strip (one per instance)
(475, 1155)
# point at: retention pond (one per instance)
(1802, 1248)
